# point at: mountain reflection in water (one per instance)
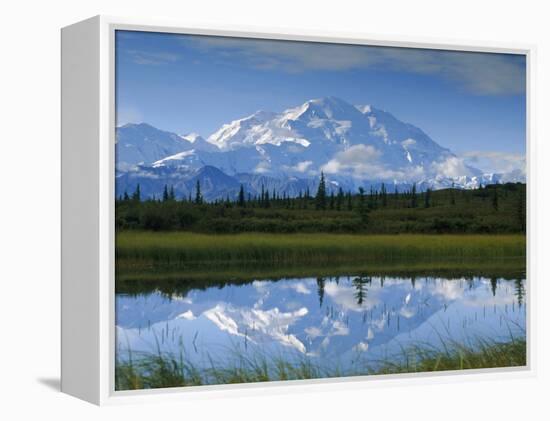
(333, 321)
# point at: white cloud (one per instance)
(262, 168)
(363, 162)
(313, 332)
(359, 158)
(485, 298)
(299, 287)
(407, 312)
(479, 73)
(302, 166)
(448, 289)
(361, 347)
(152, 58)
(451, 167)
(495, 162)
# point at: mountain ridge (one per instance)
(354, 145)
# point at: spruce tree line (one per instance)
(322, 201)
(374, 199)
(331, 199)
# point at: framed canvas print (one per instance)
(243, 210)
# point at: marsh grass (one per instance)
(142, 249)
(456, 356)
(167, 370)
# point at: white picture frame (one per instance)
(88, 124)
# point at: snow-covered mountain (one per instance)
(354, 145)
(199, 143)
(142, 144)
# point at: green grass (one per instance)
(142, 249)
(163, 370)
(484, 354)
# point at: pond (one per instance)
(341, 325)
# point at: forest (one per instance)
(489, 209)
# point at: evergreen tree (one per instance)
(262, 197)
(519, 291)
(321, 196)
(360, 289)
(171, 193)
(383, 193)
(427, 197)
(321, 290)
(339, 199)
(198, 194)
(413, 196)
(241, 197)
(125, 197)
(494, 284)
(350, 205)
(266, 199)
(452, 191)
(165, 194)
(331, 206)
(371, 201)
(137, 194)
(495, 198)
(362, 197)
(302, 203)
(363, 209)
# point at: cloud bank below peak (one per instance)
(496, 161)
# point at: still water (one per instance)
(334, 322)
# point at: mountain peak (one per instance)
(143, 126)
(141, 143)
(191, 137)
(328, 101)
(329, 107)
(199, 143)
(353, 144)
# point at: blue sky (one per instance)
(472, 103)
